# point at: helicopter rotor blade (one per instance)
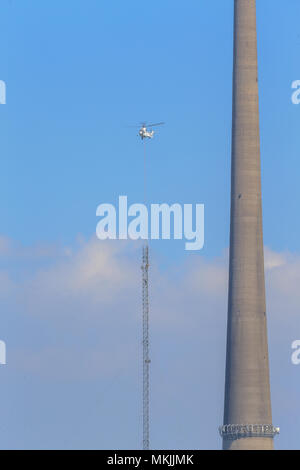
(144, 124)
(156, 124)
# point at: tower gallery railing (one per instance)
(238, 431)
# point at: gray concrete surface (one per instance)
(247, 387)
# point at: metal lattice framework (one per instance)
(146, 359)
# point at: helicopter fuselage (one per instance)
(144, 133)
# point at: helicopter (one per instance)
(144, 131)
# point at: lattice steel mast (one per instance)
(146, 359)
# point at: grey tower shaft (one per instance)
(247, 413)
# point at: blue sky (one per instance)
(77, 73)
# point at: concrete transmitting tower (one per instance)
(247, 414)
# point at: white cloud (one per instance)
(273, 259)
(99, 282)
